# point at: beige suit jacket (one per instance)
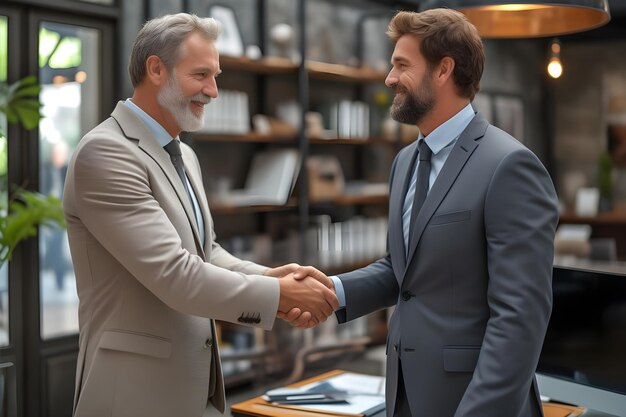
(148, 288)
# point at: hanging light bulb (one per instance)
(555, 66)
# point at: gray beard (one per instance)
(171, 97)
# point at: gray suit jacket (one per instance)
(148, 288)
(473, 297)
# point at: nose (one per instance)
(392, 79)
(210, 88)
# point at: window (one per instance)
(68, 73)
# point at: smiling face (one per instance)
(412, 80)
(191, 83)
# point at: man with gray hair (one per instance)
(150, 276)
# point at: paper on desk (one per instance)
(366, 394)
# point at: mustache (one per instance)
(398, 88)
(201, 98)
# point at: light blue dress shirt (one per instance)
(440, 141)
(164, 138)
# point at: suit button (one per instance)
(208, 343)
(395, 347)
(406, 296)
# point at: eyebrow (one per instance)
(207, 69)
(399, 59)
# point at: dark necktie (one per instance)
(173, 148)
(421, 186)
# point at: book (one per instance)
(270, 180)
(348, 394)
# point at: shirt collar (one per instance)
(157, 130)
(447, 133)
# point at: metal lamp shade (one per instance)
(528, 18)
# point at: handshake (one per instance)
(307, 296)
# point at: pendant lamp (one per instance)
(528, 18)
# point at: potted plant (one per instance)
(26, 210)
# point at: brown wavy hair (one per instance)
(445, 32)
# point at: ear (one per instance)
(444, 70)
(156, 73)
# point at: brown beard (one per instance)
(415, 106)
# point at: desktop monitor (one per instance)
(583, 360)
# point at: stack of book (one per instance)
(347, 119)
(228, 114)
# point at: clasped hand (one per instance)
(307, 296)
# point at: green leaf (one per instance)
(11, 115)
(29, 90)
(28, 117)
(20, 102)
(27, 211)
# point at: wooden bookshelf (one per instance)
(343, 73)
(606, 218)
(269, 65)
(221, 208)
(316, 70)
(340, 269)
(357, 142)
(353, 200)
(247, 138)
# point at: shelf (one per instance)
(269, 65)
(343, 73)
(247, 138)
(607, 218)
(316, 70)
(340, 269)
(245, 354)
(345, 200)
(221, 208)
(353, 200)
(290, 139)
(240, 378)
(341, 141)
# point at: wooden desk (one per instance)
(258, 407)
(562, 410)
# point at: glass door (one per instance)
(69, 73)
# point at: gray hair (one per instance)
(163, 37)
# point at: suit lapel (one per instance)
(461, 152)
(135, 129)
(401, 181)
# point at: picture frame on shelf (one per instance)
(230, 41)
(509, 115)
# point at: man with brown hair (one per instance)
(472, 216)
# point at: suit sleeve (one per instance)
(520, 219)
(368, 289)
(115, 202)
